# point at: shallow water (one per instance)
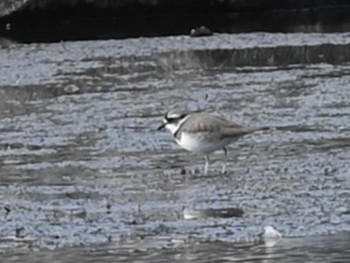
(316, 249)
(82, 162)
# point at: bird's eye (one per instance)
(171, 120)
(166, 117)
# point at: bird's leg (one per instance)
(206, 167)
(225, 160)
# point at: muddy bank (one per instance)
(82, 163)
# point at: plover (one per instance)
(204, 133)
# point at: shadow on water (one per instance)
(82, 165)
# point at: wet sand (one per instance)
(81, 162)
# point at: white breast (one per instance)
(174, 127)
(194, 143)
(171, 127)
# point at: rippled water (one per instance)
(320, 249)
(82, 162)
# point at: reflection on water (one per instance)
(316, 249)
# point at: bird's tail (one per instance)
(241, 131)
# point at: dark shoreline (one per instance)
(62, 24)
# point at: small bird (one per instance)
(204, 133)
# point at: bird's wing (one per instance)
(204, 122)
(231, 132)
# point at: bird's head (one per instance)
(172, 120)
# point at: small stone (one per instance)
(196, 171)
(7, 209)
(189, 214)
(200, 32)
(80, 214)
(327, 171)
(71, 89)
(335, 220)
(270, 232)
(20, 232)
(270, 236)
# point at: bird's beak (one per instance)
(161, 127)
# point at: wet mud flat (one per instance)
(81, 162)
